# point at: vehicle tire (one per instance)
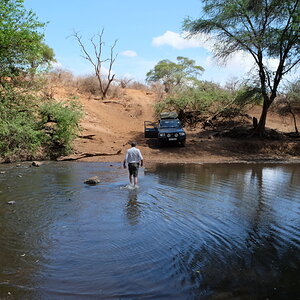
(182, 144)
(159, 143)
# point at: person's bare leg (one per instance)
(135, 179)
(130, 179)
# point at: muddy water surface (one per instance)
(223, 231)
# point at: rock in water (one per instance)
(92, 180)
(36, 164)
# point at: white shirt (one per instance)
(133, 155)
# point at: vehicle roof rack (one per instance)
(169, 115)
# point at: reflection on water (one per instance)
(224, 231)
(132, 208)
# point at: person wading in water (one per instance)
(134, 159)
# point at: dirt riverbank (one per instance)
(109, 125)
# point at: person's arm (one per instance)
(125, 160)
(141, 158)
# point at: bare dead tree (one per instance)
(98, 62)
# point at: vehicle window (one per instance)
(170, 123)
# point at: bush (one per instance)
(289, 104)
(207, 100)
(54, 80)
(136, 85)
(24, 133)
(293, 95)
(64, 119)
(88, 84)
(159, 91)
(115, 91)
(20, 137)
(124, 82)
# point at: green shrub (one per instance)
(20, 137)
(64, 118)
(209, 100)
(204, 99)
(23, 126)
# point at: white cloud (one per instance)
(237, 65)
(239, 60)
(182, 41)
(129, 53)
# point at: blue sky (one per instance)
(147, 32)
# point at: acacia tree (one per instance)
(264, 28)
(22, 49)
(172, 74)
(97, 61)
(293, 101)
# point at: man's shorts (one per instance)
(133, 169)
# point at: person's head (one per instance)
(133, 144)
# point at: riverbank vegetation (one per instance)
(266, 30)
(209, 104)
(205, 102)
(30, 127)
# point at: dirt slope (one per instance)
(109, 125)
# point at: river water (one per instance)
(222, 231)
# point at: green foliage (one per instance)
(207, 100)
(20, 136)
(23, 126)
(21, 44)
(64, 118)
(264, 29)
(268, 28)
(22, 117)
(175, 75)
(248, 95)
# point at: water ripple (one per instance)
(188, 232)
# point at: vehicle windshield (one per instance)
(170, 123)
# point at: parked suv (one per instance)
(167, 130)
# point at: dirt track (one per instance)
(110, 125)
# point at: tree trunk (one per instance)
(105, 90)
(294, 118)
(260, 129)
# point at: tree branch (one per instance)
(98, 49)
